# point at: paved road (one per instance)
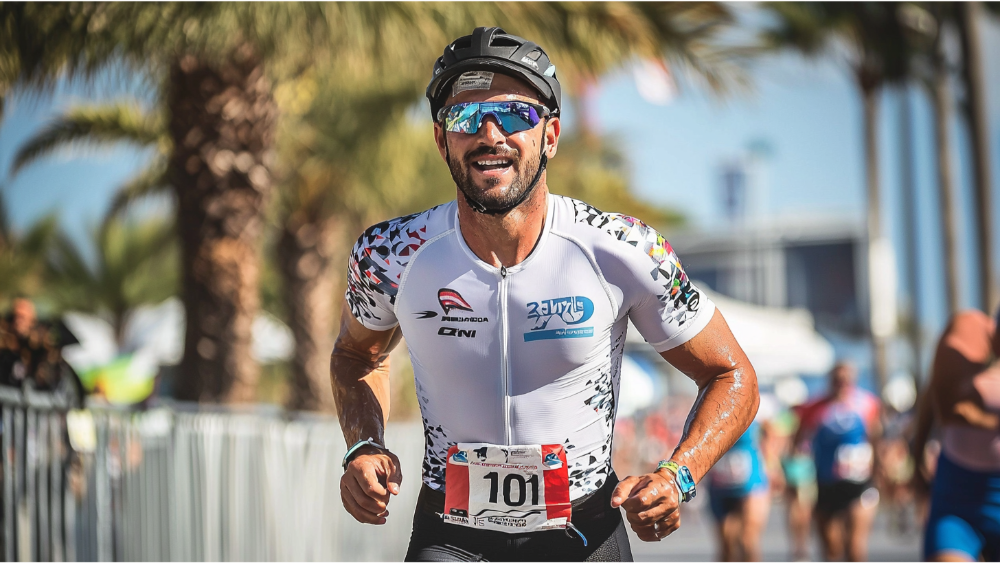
(695, 541)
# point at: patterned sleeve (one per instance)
(371, 289)
(377, 263)
(660, 300)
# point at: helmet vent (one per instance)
(534, 55)
(504, 42)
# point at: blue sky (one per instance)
(808, 112)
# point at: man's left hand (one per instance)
(651, 504)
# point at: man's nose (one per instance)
(490, 132)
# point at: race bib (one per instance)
(512, 489)
(733, 470)
(853, 462)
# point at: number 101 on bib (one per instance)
(513, 489)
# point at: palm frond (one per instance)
(95, 125)
(149, 182)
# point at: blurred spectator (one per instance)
(895, 472)
(799, 477)
(30, 350)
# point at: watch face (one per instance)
(686, 482)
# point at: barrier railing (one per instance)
(183, 483)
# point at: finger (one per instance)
(359, 491)
(646, 533)
(370, 481)
(395, 475)
(649, 516)
(357, 511)
(669, 525)
(623, 491)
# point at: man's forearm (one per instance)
(725, 407)
(361, 392)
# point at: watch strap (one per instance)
(357, 446)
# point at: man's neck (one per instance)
(507, 239)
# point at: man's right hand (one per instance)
(366, 486)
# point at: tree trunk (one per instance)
(870, 91)
(222, 120)
(969, 16)
(911, 233)
(941, 104)
(305, 259)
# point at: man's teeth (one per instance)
(493, 162)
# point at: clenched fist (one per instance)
(367, 484)
(651, 504)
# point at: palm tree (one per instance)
(969, 17)
(924, 27)
(133, 266)
(216, 63)
(876, 55)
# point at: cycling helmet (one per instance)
(493, 49)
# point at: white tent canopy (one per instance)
(156, 333)
(779, 342)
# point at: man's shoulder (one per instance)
(404, 235)
(609, 225)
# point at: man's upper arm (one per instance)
(361, 344)
(711, 352)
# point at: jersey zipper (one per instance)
(504, 336)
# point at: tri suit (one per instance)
(841, 449)
(522, 355)
(738, 474)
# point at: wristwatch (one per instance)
(351, 450)
(682, 477)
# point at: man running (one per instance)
(963, 397)
(514, 303)
(840, 428)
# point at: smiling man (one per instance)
(515, 303)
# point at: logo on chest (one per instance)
(557, 318)
(451, 300)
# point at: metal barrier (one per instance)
(186, 484)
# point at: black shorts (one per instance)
(607, 540)
(837, 496)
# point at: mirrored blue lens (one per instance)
(513, 117)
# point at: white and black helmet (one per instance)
(493, 49)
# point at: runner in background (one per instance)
(740, 495)
(963, 398)
(840, 429)
(799, 486)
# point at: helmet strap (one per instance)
(478, 207)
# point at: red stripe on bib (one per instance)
(557, 504)
(456, 485)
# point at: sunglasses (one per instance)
(513, 117)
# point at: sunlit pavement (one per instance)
(695, 540)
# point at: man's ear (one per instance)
(552, 131)
(439, 139)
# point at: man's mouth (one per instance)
(493, 163)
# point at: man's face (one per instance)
(842, 378)
(492, 166)
(24, 316)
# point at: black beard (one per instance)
(505, 198)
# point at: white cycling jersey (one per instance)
(528, 354)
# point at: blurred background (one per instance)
(180, 185)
